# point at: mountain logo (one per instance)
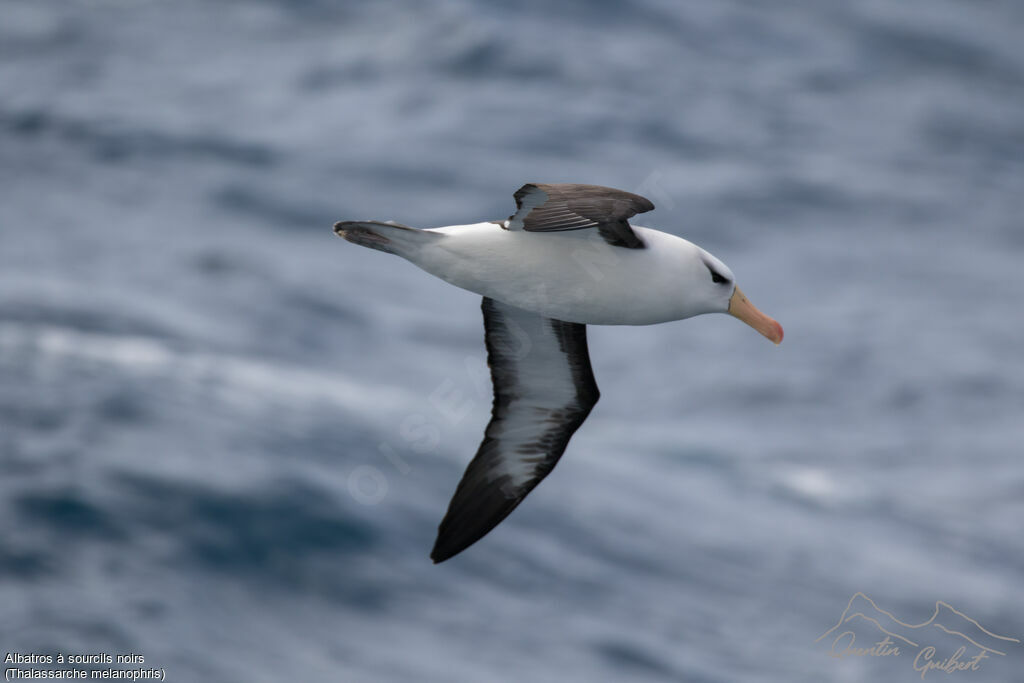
(949, 641)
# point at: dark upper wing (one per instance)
(544, 207)
(543, 391)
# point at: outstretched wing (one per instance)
(548, 207)
(543, 391)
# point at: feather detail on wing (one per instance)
(550, 207)
(543, 391)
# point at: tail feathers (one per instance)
(393, 238)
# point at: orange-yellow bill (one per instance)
(740, 307)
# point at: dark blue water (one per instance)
(227, 437)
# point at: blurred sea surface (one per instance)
(227, 437)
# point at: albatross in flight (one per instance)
(567, 258)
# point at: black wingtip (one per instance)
(447, 546)
(435, 555)
(442, 552)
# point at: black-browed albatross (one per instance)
(567, 258)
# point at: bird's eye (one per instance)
(717, 277)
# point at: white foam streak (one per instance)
(248, 382)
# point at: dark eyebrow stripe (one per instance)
(716, 277)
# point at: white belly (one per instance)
(574, 276)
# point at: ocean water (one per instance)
(227, 437)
